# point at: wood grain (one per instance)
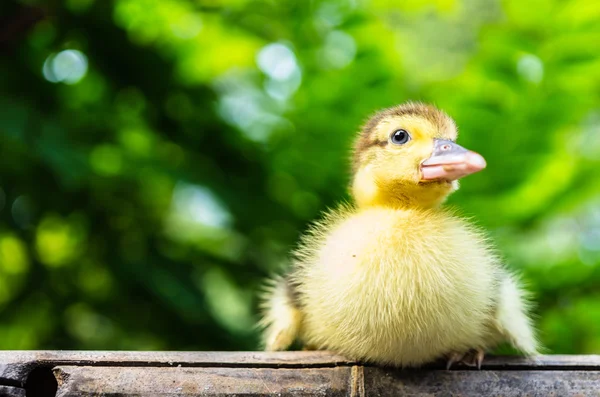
(99, 373)
(87, 381)
(511, 383)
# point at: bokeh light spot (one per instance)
(531, 68)
(137, 141)
(43, 34)
(13, 255)
(277, 61)
(57, 241)
(106, 160)
(68, 66)
(339, 50)
(200, 205)
(283, 89)
(247, 107)
(95, 280)
(87, 325)
(589, 142)
(187, 27)
(229, 305)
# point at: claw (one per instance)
(479, 357)
(454, 358)
(474, 358)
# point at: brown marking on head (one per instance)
(388, 173)
(441, 126)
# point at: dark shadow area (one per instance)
(41, 383)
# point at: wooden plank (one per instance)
(143, 373)
(545, 362)
(292, 359)
(107, 381)
(12, 391)
(537, 383)
(169, 358)
(337, 381)
(16, 365)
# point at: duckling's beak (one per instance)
(450, 161)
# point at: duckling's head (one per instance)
(407, 156)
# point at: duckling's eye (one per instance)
(400, 137)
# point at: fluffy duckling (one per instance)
(393, 278)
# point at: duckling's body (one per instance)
(405, 292)
(396, 280)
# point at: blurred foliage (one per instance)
(159, 158)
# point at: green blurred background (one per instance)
(158, 159)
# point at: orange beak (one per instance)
(450, 162)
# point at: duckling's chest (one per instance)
(393, 270)
(402, 246)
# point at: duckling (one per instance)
(393, 278)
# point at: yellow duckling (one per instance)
(394, 279)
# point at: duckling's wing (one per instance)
(282, 318)
(512, 320)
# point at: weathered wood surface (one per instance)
(65, 373)
(203, 381)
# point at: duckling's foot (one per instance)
(474, 358)
(454, 358)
